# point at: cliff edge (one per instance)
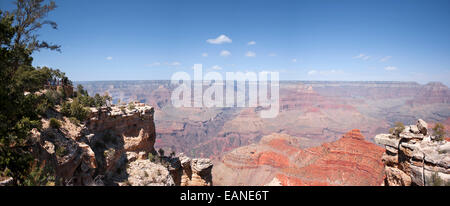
(415, 157)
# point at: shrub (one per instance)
(436, 180)
(151, 157)
(109, 153)
(122, 108)
(439, 132)
(172, 154)
(78, 111)
(42, 108)
(65, 109)
(40, 176)
(99, 101)
(131, 106)
(74, 109)
(399, 127)
(161, 152)
(54, 123)
(53, 97)
(61, 151)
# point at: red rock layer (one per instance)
(351, 160)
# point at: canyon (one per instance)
(315, 129)
(278, 160)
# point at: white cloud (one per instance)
(312, 72)
(219, 40)
(153, 64)
(216, 67)
(175, 64)
(251, 43)
(225, 53)
(362, 56)
(250, 54)
(204, 54)
(294, 60)
(390, 68)
(109, 58)
(386, 58)
(272, 54)
(324, 72)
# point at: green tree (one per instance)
(19, 81)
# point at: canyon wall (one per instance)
(318, 110)
(279, 160)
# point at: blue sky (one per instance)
(404, 40)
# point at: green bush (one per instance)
(74, 109)
(399, 127)
(40, 176)
(78, 111)
(53, 97)
(65, 109)
(161, 152)
(439, 131)
(42, 108)
(54, 123)
(151, 157)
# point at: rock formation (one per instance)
(415, 157)
(113, 147)
(279, 160)
(318, 110)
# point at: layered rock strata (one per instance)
(415, 157)
(279, 160)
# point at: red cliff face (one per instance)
(351, 160)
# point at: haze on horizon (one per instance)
(303, 40)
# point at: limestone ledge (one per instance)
(414, 157)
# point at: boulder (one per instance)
(422, 126)
(396, 177)
(414, 129)
(387, 139)
(147, 173)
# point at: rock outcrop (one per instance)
(279, 160)
(415, 157)
(168, 171)
(196, 172)
(113, 147)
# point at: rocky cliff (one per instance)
(415, 157)
(115, 146)
(279, 160)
